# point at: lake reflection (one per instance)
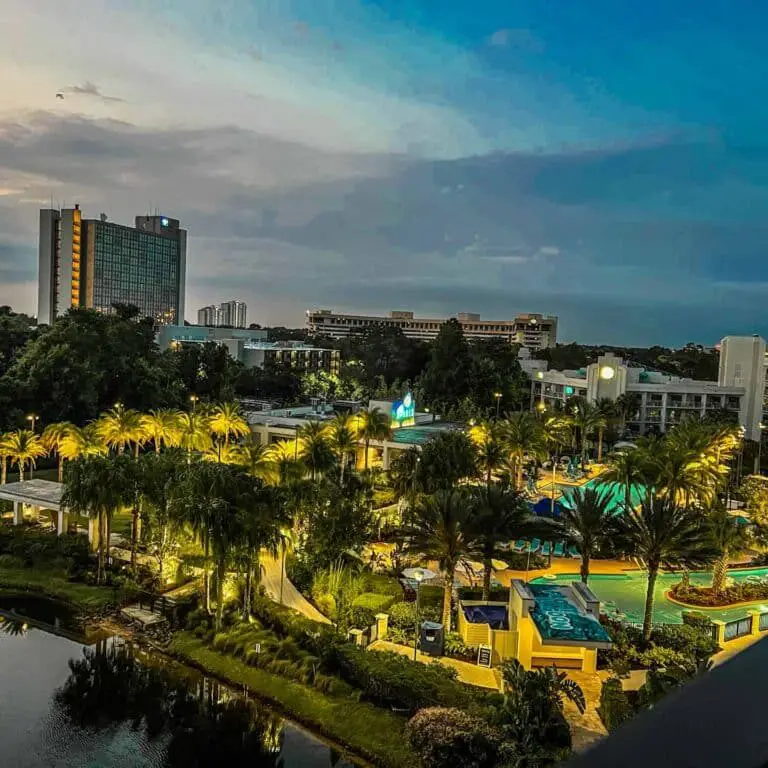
(111, 706)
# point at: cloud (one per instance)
(91, 89)
(522, 39)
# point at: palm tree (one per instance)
(120, 428)
(226, 421)
(588, 518)
(523, 437)
(24, 447)
(489, 441)
(5, 454)
(253, 457)
(284, 460)
(373, 425)
(404, 475)
(343, 440)
(626, 406)
(586, 419)
(93, 487)
(439, 531)
(628, 469)
(52, 438)
(161, 426)
(663, 533)
(606, 412)
(80, 442)
(498, 516)
(194, 432)
(315, 447)
(728, 536)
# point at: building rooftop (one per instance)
(418, 434)
(43, 493)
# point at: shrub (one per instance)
(658, 656)
(360, 617)
(615, 707)
(373, 601)
(443, 738)
(455, 646)
(693, 641)
(326, 604)
(402, 616)
(383, 584)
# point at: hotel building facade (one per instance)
(664, 400)
(534, 331)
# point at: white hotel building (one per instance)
(530, 330)
(663, 400)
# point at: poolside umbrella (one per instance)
(499, 565)
(419, 574)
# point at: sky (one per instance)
(605, 162)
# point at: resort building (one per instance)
(663, 400)
(531, 330)
(251, 348)
(541, 625)
(95, 264)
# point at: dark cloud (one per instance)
(92, 90)
(629, 241)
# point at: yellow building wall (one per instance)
(504, 645)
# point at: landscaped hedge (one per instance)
(373, 601)
(615, 707)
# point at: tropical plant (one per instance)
(24, 448)
(93, 487)
(404, 475)
(161, 426)
(121, 428)
(343, 440)
(447, 460)
(52, 438)
(315, 448)
(253, 457)
(524, 438)
(607, 413)
(226, 421)
(498, 516)
(586, 419)
(491, 452)
(372, 425)
(589, 520)
(629, 469)
(286, 467)
(194, 433)
(662, 533)
(729, 536)
(439, 531)
(81, 442)
(5, 454)
(626, 406)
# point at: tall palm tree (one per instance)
(439, 531)
(607, 414)
(80, 442)
(93, 487)
(315, 447)
(498, 516)
(404, 475)
(253, 457)
(286, 465)
(491, 451)
(523, 437)
(729, 536)
(121, 428)
(52, 438)
(663, 533)
(628, 469)
(589, 520)
(24, 447)
(343, 440)
(372, 425)
(226, 422)
(5, 454)
(626, 406)
(586, 419)
(161, 426)
(194, 432)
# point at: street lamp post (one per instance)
(32, 418)
(193, 400)
(418, 576)
(497, 395)
(758, 465)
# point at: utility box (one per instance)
(431, 638)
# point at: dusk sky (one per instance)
(599, 160)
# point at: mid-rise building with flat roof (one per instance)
(662, 400)
(534, 331)
(95, 264)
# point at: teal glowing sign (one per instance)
(403, 411)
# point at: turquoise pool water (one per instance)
(625, 593)
(614, 490)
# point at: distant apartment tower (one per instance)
(95, 264)
(230, 314)
(534, 331)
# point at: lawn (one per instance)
(371, 732)
(53, 583)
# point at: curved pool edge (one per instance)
(704, 608)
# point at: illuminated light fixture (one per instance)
(607, 373)
(540, 375)
(163, 222)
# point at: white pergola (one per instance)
(35, 495)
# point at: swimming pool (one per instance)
(615, 492)
(625, 593)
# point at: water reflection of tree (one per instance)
(107, 687)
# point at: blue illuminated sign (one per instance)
(163, 222)
(403, 411)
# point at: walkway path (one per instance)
(270, 579)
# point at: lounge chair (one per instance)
(535, 544)
(520, 546)
(546, 549)
(559, 550)
(573, 551)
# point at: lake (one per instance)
(65, 704)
